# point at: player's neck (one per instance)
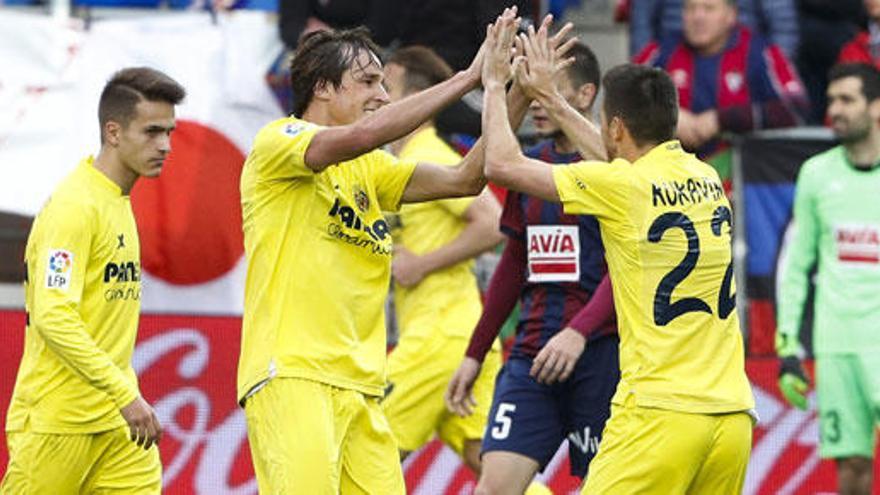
(563, 146)
(630, 151)
(866, 150)
(110, 165)
(318, 113)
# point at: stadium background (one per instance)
(189, 221)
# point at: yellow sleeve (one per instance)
(281, 147)
(593, 188)
(390, 177)
(57, 266)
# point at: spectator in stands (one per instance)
(728, 78)
(776, 20)
(865, 46)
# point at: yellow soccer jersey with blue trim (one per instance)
(318, 262)
(447, 300)
(82, 296)
(666, 224)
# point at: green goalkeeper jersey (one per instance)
(837, 228)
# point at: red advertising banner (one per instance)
(187, 371)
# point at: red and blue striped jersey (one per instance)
(564, 256)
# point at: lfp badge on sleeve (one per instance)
(554, 253)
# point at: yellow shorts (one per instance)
(106, 462)
(308, 437)
(419, 371)
(655, 451)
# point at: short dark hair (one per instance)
(868, 74)
(585, 69)
(424, 68)
(130, 86)
(323, 57)
(645, 99)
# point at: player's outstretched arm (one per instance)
(431, 181)
(545, 58)
(557, 359)
(479, 235)
(793, 288)
(505, 163)
(391, 122)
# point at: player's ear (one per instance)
(112, 131)
(585, 95)
(616, 129)
(874, 110)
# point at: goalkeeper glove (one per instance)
(793, 382)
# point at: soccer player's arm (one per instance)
(431, 181)
(55, 313)
(598, 312)
(391, 122)
(480, 234)
(793, 287)
(557, 359)
(504, 289)
(505, 163)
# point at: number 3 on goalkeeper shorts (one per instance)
(502, 421)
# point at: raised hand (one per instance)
(497, 67)
(544, 58)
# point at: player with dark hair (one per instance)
(77, 422)
(314, 189)
(837, 230)
(665, 223)
(553, 263)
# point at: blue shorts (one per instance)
(533, 419)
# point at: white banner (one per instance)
(189, 218)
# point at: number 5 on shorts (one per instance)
(502, 421)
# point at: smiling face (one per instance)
(144, 144)
(360, 91)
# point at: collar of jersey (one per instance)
(97, 178)
(664, 149)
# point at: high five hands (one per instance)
(534, 61)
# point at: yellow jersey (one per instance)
(447, 300)
(318, 262)
(666, 223)
(82, 297)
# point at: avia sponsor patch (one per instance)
(59, 269)
(554, 253)
(857, 243)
